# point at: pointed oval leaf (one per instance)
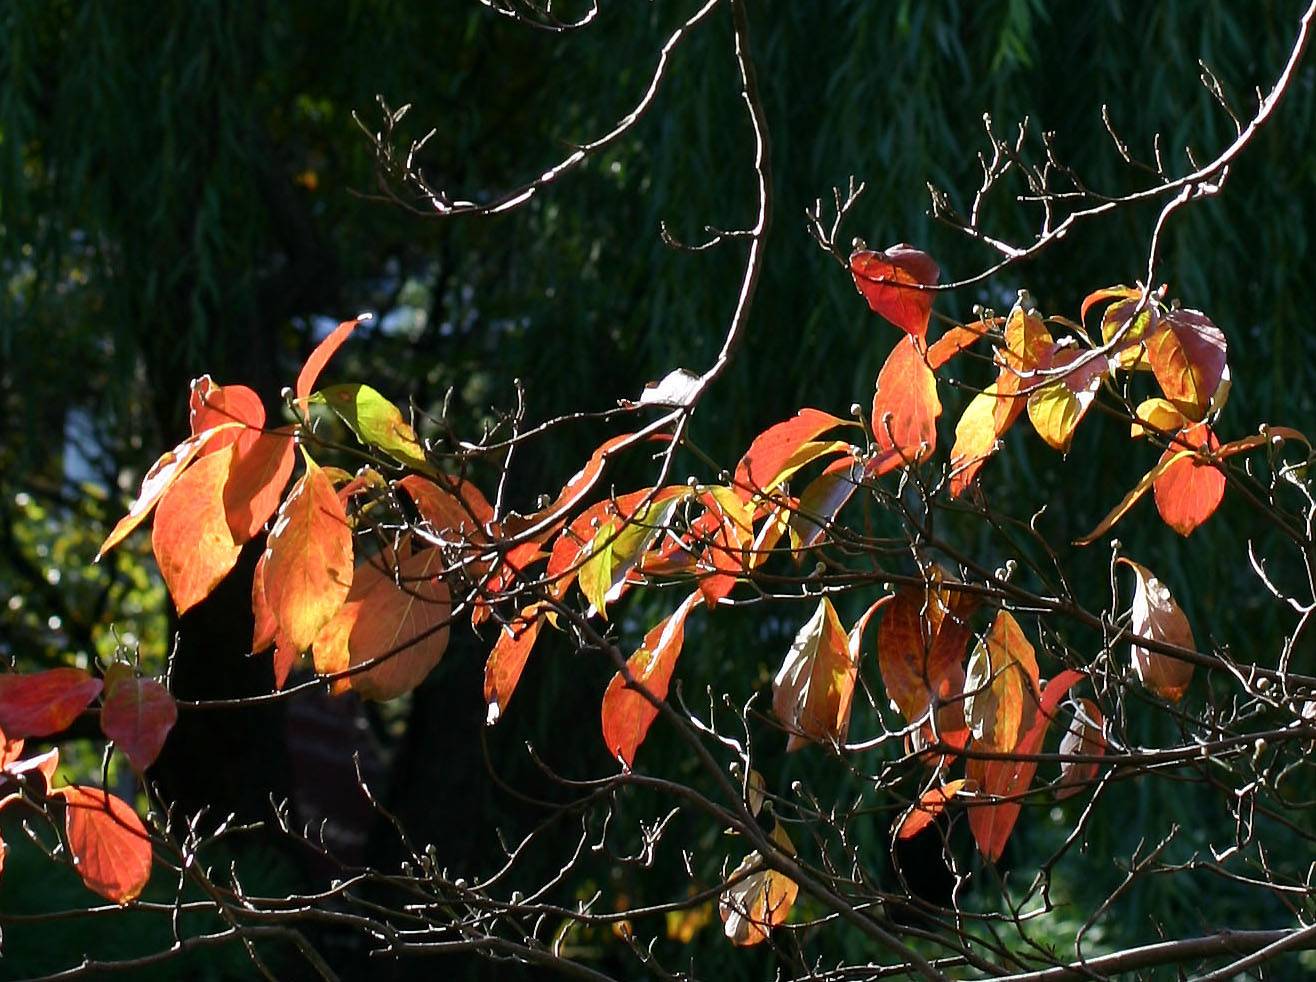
(256, 481)
(1156, 616)
(813, 690)
(921, 642)
(1000, 686)
(890, 282)
(927, 808)
(308, 569)
(319, 357)
(767, 461)
(43, 703)
(376, 422)
(191, 538)
(214, 405)
(1187, 354)
(906, 407)
(108, 842)
(502, 671)
(137, 714)
(627, 714)
(1190, 488)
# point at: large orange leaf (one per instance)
(927, 808)
(109, 845)
(992, 823)
(1000, 686)
(767, 462)
(1158, 617)
(627, 714)
(921, 643)
(890, 282)
(159, 479)
(308, 569)
(310, 373)
(1187, 354)
(256, 481)
(506, 662)
(1189, 489)
(814, 687)
(137, 714)
(43, 703)
(193, 544)
(403, 622)
(905, 408)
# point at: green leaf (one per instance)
(376, 422)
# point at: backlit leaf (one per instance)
(108, 842)
(308, 571)
(214, 405)
(1056, 408)
(905, 408)
(137, 714)
(256, 480)
(1084, 738)
(759, 901)
(927, 808)
(506, 662)
(1187, 354)
(1133, 497)
(43, 703)
(765, 464)
(1156, 616)
(376, 422)
(1159, 415)
(1190, 488)
(627, 714)
(1000, 686)
(191, 538)
(814, 687)
(889, 281)
(310, 373)
(921, 644)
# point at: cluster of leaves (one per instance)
(366, 572)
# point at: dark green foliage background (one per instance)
(157, 221)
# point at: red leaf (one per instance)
(993, 823)
(308, 570)
(463, 509)
(256, 481)
(44, 702)
(921, 644)
(310, 373)
(285, 657)
(137, 715)
(955, 340)
(1189, 489)
(108, 842)
(506, 662)
(889, 281)
(627, 714)
(213, 405)
(193, 545)
(905, 408)
(764, 465)
(928, 807)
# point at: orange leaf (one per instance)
(265, 626)
(213, 405)
(256, 481)
(814, 687)
(137, 715)
(759, 899)
(765, 463)
(920, 646)
(1187, 354)
(108, 842)
(905, 408)
(993, 823)
(955, 340)
(461, 508)
(627, 714)
(1132, 498)
(1109, 293)
(1190, 488)
(310, 373)
(44, 702)
(1000, 686)
(308, 570)
(506, 662)
(928, 807)
(159, 479)
(890, 282)
(193, 544)
(1158, 617)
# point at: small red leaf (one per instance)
(890, 282)
(627, 714)
(310, 373)
(137, 715)
(108, 842)
(44, 702)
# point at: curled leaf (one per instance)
(759, 898)
(890, 281)
(814, 687)
(1001, 687)
(1156, 616)
(1084, 738)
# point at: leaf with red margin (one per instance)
(627, 714)
(905, 408)
(993, 823)
(1187, 353)
(159, 479)
(256, 480)
(214, 405)
(308, 571)
(402, 623)
(925, 811)
(1190, 489)
(507, 660)
(921, 644)
(723, 561)
(310, 373)
(193, 544)
(46, 702)
(813, 690)
(108, 842)
(890, 282)
(137, 714)
(764, 464)
(1155, 615)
